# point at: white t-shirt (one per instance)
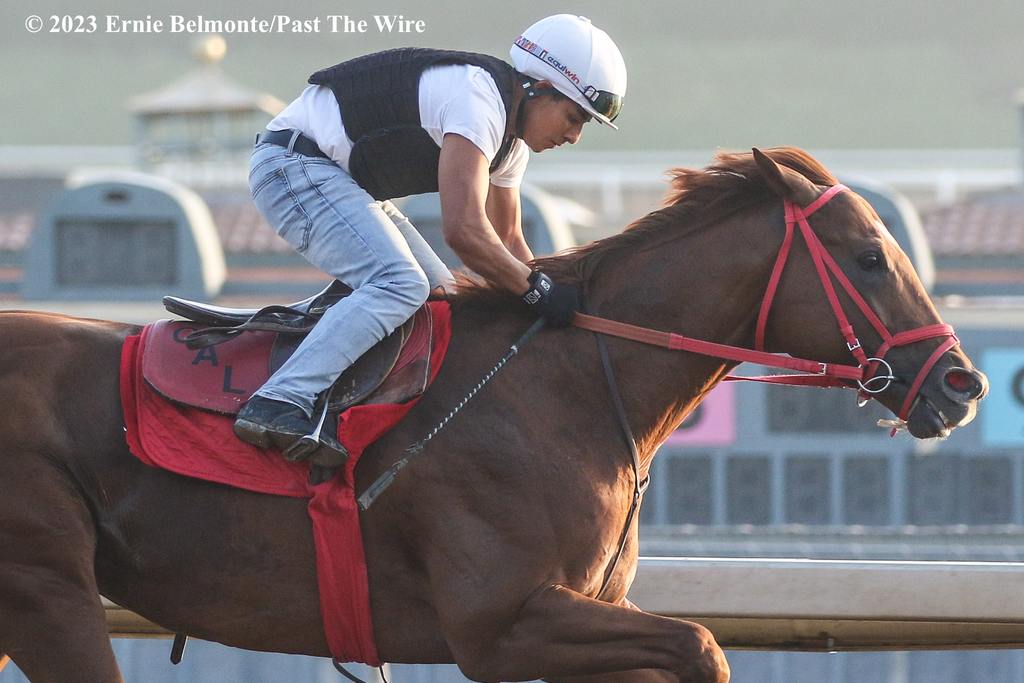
(454, 98)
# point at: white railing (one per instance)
(942, 174)
(787, 604)
(935, 176)
(779, 604)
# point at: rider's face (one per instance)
(550, 121)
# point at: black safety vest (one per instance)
(378, 94)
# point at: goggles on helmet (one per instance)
(605, 103)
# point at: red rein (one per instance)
(820, 374)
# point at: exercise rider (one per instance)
(408, 121)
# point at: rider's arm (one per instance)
(463, 183)
(504, 212)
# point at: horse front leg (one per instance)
(641, 676)
(561, 634)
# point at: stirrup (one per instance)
(302, 448)
(305, 447)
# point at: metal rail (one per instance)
(826, 605)
(831, 605)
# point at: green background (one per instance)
(826, 74)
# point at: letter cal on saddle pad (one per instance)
(201, 444)
(219, 378)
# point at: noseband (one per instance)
(862, 376)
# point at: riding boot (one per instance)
(268, 423)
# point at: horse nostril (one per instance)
(965, 382)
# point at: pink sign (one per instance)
(713, 423)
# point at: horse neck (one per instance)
(711, 291)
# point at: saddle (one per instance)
(206, 362)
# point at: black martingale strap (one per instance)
(639, 486)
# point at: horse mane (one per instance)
(697, 199)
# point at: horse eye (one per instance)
(870, 260)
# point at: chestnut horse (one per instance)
(496, 549)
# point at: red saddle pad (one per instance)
(198, 443)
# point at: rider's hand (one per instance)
(555, 303)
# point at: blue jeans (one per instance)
(370, 246)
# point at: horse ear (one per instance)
(785, 182)
(773, 174)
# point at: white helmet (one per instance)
(579, 59)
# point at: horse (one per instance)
(509, 547)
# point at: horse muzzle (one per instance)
(953, 403)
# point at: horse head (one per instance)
(768, 252)
(913, 363)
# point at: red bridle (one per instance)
(820, 374)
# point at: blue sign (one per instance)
(1002, 412)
